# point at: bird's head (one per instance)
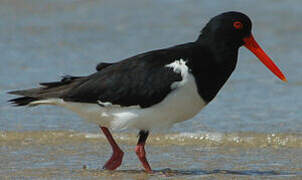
(234, 29)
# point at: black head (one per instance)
(225, 33)
(228, 27)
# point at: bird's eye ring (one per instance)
(238, 25)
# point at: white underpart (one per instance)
(181, 104)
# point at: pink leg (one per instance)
(116, 159)
(140, 150)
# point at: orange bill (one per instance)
(253, 46)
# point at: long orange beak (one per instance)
(253, 46)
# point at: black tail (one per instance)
(48, 90)
(22, 101)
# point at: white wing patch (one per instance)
(179, 66)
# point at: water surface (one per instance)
(251, 130)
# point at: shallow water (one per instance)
(64, 154)
(251, 130)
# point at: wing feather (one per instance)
(140, 80)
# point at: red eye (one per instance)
(238, 25)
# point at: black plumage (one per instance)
(145, 80)
(102, 65)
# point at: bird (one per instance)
(155, 89)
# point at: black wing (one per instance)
(102, 65)
(140, 80)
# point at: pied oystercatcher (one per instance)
(154, 89)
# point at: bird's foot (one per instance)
(115, 161)
(141, 154)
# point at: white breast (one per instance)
(181, 104)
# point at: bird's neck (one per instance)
(223, 50)
(213, 64)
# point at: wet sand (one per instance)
(187, 155)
